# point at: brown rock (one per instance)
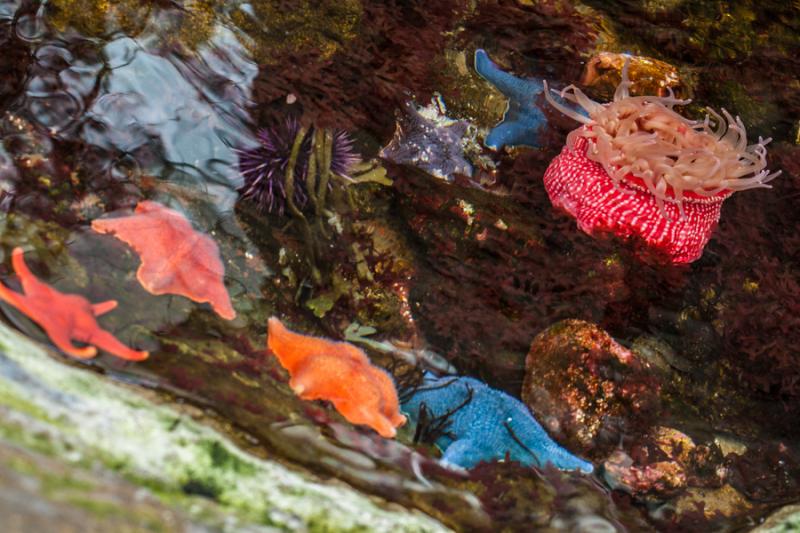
(603, 73)
(588, 390)
(663, 463)
(661, 477)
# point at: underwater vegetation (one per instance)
(190, 27)
(176, 259)
(64, 317)
(371, 74)
(275, 29)
(471, 422)
(339, 373)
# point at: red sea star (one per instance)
(340, 373)
(64, 316)
(176, 259)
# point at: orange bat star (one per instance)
(340, 373)
(176, 259)
(64, 316)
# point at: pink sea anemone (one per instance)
(637, 168)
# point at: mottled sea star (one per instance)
(478, 423)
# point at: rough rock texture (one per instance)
(783, 520)
(75, 416)
(586, 389)
(662, 463)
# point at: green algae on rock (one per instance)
(784, 520)
(66, 413)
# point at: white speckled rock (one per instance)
(71, 414)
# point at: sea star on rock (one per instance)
(176, 259)
(340, 373)
(471, 422)
(523, 119)
(64, 317)
(428, 140)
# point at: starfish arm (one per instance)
(30, 284)
(534, 446)
(108, 342)
(512, 87)
(511, 132)
(14, 298)
(63, 342)
(365, 414)
(463, 452)
(549, 452)
(101, 308)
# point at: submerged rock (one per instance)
(662, 463)
(77, 416)
(588, 390)
(783, 520)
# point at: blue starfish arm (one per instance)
(540, 449)
(464, 453)
(533, 444)
(511, 134)
(513, 88)
(562, 459)
(523, 119)
(484, 424)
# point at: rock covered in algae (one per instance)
(662, 463)
(784, 520)
(68, 414)
(587, 389)
(277, 28)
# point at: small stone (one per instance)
(725, 501)
(603, 73)
(664, 462)
(662, 477)
(587, 389)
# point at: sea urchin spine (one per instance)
(264, 167)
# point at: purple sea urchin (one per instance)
(343, 156)
(264, 167)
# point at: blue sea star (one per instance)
(472, 422)
(523, 119)
(431, 144)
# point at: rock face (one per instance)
(586, 389)
(94, 447)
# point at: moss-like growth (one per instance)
(110, 427)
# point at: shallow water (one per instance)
(103, 107)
